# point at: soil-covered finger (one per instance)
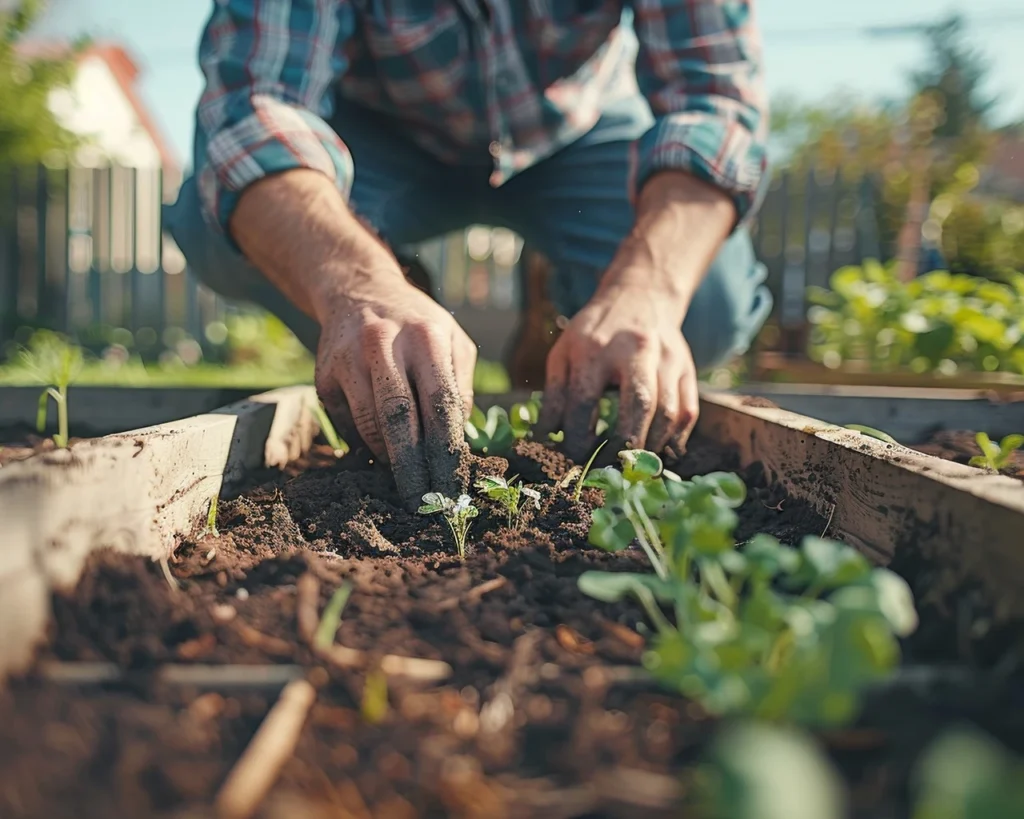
(637, 402)
(443, 416)
(552, 408)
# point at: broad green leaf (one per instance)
(434, 499)
(767, 557)
(612, 587)
(895, 601)
(727, 485)
(640, 465)
(502, 440)
(832, 564)
(606, 478)
(477, 418)
(497, 419)
(41, 411)
(609, 531)
(491, 483)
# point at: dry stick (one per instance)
(273, 745)
(474, 595)
(199, 676)
(307, 590)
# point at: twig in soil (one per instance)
(254, 638)
(474, 595)
(828, 522)
(166, 569)
(260, 764)
(199, 676)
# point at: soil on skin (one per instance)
(960, 446)
(543, 714)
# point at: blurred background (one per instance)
(893, 232)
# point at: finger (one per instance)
(666, 424)
(464, 353)
(638, 391)
(689, 408)
(552, 408)
(428, 354)
(586, 386)
(352, 404)
(397, 415)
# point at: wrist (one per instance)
(341, 288)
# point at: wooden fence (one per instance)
(82, 250)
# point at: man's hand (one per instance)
(398, 364)
(629, 335)
(391, 362)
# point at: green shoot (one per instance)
(330, 433)
(55, 363)
(871, 432)
(493, 433)
(458, 514)
(509, 496)
(996, 456)
(330, 621)
(211, 519)
(586, 471)
(374, 707)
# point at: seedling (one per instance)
(509, 496)
(330, 433)
(330, 620)
(996, 456)
(374, 707)
(458, 514)
(771, 631)
(490, 434)
(586, 471)
(211, 519)
(56, 364)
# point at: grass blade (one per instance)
(330, 621)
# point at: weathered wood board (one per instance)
(140, 492)
(883, 497)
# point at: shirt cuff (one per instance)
(274, 137)
(721, 152)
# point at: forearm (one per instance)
(296, 228)
(681, 223)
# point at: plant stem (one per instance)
(719, 584)
(638, 528)
(586, 469)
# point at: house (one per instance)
(103, 104)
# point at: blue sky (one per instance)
(810, 51)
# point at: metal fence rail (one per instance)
(83, 251)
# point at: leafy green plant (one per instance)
(458, 514)
(586, 471)
(940, 322)
(330, 620)
(55, 363)
(996, 456)
(330, 433)
(772, 631)
(509, 495)
(490, 434)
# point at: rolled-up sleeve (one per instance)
(269, 66)
(699, 66)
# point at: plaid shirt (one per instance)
(503, 82)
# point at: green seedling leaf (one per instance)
(828, 564)
(768, 558)
(609, 531)
(44, 399)
(556, 437)
(756, 771)
(726, 485)
(211, 518)
(330, 620)
(477, 418)
(607, 479)
(532, 494)
(492, 484)
(871, 432)
(639, 465)
(895, 601)
(586, 470)
(374, 707)
(613, 587)
(433, 502)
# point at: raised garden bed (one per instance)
(510, 692)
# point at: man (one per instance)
(632, 156)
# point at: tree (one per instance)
(954, 75)
(29, 131)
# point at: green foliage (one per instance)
(458, 514)
(509, 496)
(54, 362)
(374, 706)
(490, 434)
(996, 456)
(29, 132)
(330, 433)
(937, 323)
(871, 432)
(211, 519)
(771, 631)
(330, 620)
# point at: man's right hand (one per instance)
(400, 368)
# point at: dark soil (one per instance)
(960, 446)
(543, 714)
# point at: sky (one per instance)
(810, 51)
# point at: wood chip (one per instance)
(274, 646)
(254, 774)
(473, 596)
(572, 641)
(623, 634)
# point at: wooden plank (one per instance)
(909, 415)
(140, 492)
(883, 498)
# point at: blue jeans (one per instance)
(574, 206)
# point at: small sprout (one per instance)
(509, 496)
(458, 514)
(374, 707)
(56, 364)
(586, 469)
(330, 621)
(211, 519)
(996, 456)
(490, 434)
(871, 432)
(330, 433)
